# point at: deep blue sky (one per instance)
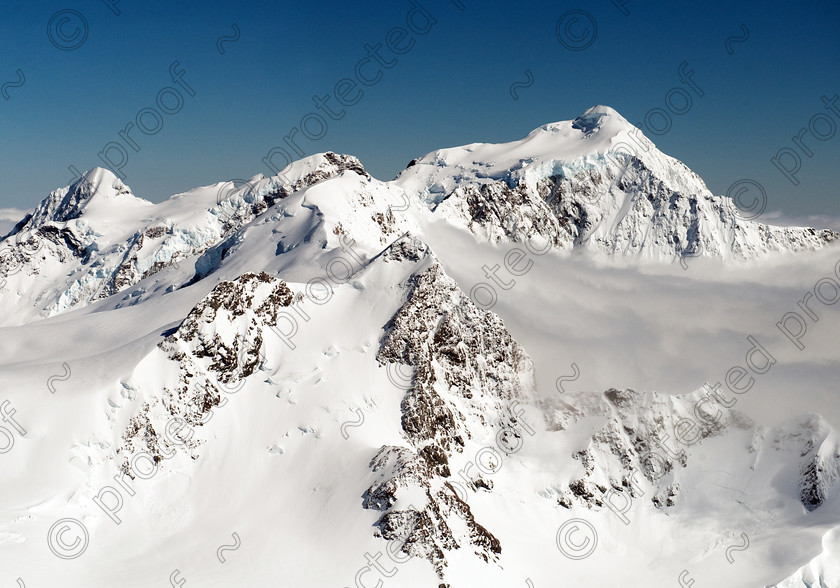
(452, 87)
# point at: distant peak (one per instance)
(96, 184)
(600, 110)
(99, 177)
(595, 117)
(97, 172)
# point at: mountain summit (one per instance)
(97, 192)
(596, 117)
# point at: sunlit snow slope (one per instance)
(323, 379)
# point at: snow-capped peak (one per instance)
(589, 139)
(100, 181)
(600, 110)
(595, 183)
(97, 193)
(599, 117)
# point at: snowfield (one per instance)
(556, 361)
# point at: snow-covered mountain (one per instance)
(298, 364)
(598, 184)
(593, 183)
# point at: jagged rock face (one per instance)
(217, 346)
(456, 349)
(468, 371)
(14, 257)
(619, 206)
(819, 464)
(498, 212)
(817, 477)
(244, 204)
(406, 248)
(647, 439)
(250, 303)
(445, 523)
(467, 384)
(395, 467)
(335, 165)
(641, 447)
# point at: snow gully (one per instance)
(320, 290)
